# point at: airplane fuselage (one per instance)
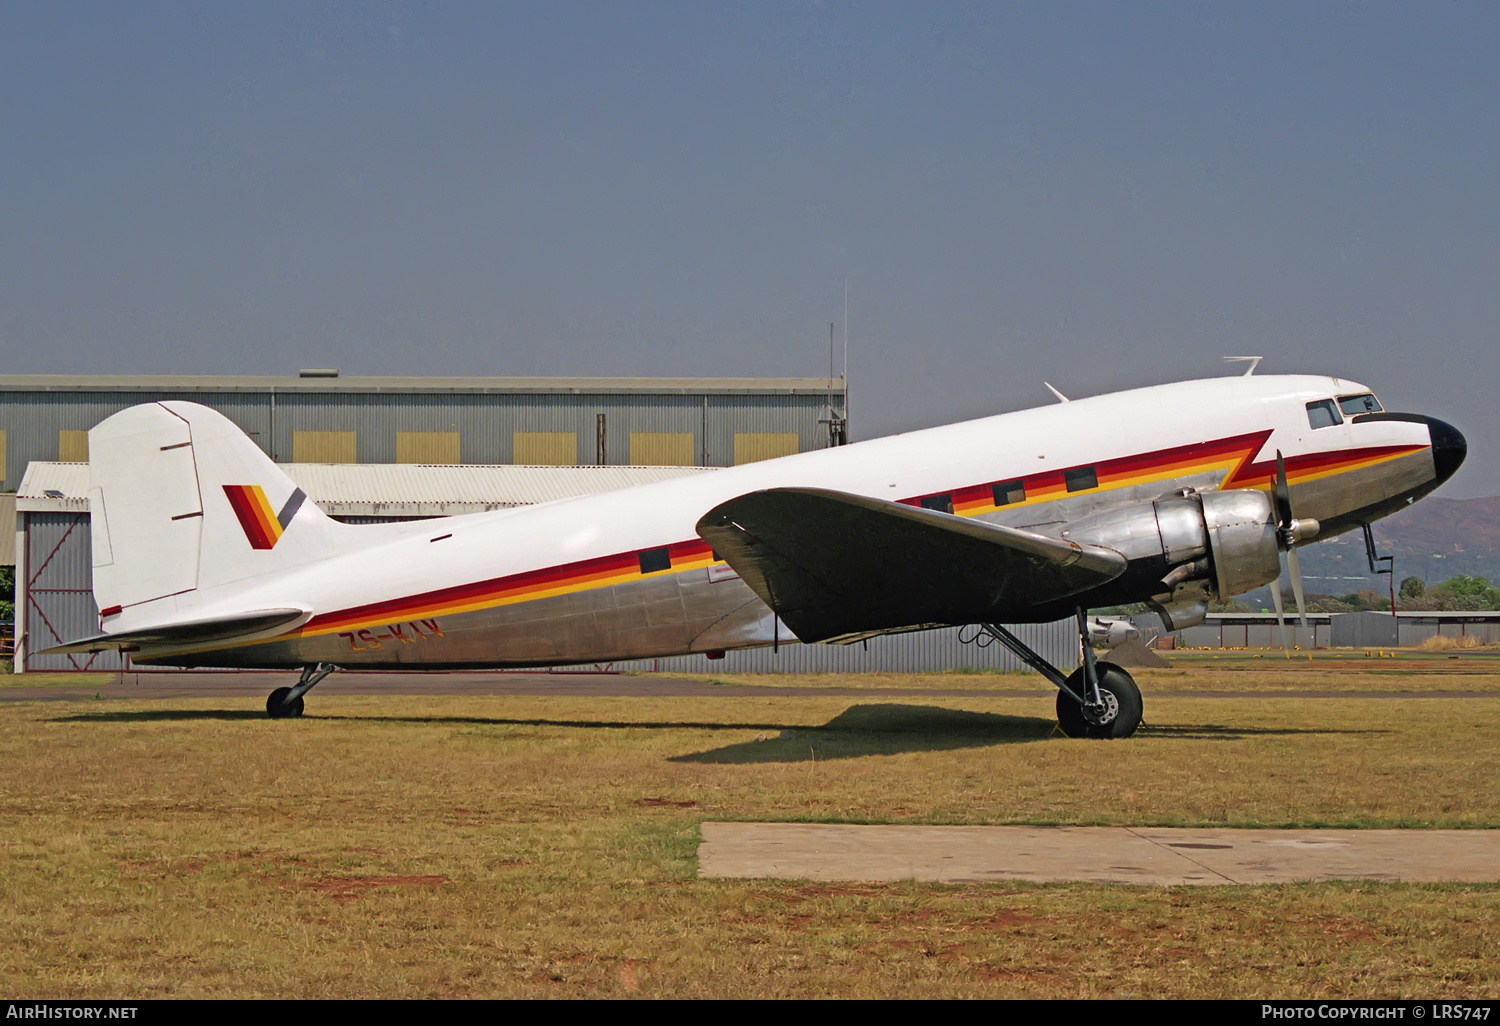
(625, 575)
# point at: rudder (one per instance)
(182, 500)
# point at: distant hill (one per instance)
(1434, 539)
(1450, 527)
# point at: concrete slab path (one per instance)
(1153, 856)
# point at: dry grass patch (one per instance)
(58, 680)
(1252, 671)
(1447, 643)
(406, 847)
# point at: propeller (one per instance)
(1289, 531)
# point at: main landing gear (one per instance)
(286, 703)
(1099, 699)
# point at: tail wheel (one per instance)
(1121, 712)
(277, 707)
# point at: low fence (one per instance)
(1329, 630)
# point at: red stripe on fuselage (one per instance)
(1263, 474)
(497, 588)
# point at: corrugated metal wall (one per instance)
(1255, 635)
(1414, 633)
(761, 414)
(33, 419)
(1338, 630)
(485, 421)
(7, 529)
(916, 652)
(59, 604)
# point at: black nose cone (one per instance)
(1448, 448)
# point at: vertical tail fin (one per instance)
(181, 500)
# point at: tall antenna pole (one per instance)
(846, 359)
(833, 413)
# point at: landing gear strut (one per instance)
(1099, 699)
(286, 703)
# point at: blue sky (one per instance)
(1098, 195)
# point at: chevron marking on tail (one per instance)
(262, 527)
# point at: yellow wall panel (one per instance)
(3, 464)
(323, 447)
(439, 447)
(751, 447)
(544, 448)
(72, 446)
(661, 448)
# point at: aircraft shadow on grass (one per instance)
(182, 715)
(859, 731)
(883, 729)
(863, 730)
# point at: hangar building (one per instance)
(319, 417)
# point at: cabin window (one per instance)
(1080, 479)
(1323, 413)
(1008, 493)
(941, 503)
(654, 560)
(1353, 405)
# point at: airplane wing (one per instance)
(184, 632)
(833, 564)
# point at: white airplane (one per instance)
(206, 554)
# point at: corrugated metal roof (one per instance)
(384, 489)
(266, 383)
(54, 488)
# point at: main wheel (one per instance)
(276, 706)
(1121, 714)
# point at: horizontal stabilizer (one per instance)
(185, 633)
(831, 564)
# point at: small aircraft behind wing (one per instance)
(206, 554)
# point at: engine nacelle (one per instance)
(1110, 631)
(1242, 534)
(1190, 547)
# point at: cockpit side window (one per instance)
(1323, 413)
(1353, 405)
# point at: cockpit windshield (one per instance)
(1356, 404)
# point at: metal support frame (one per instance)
(1090, 671)
(26, 580)
(1389, 561)
(311, 675)
(1091, 698)
(1027, 655)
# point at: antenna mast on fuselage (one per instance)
(837, 417)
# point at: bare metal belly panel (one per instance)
(658, 616)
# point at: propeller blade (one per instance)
(1280, 615)
(1282, 495)
(1296, 573)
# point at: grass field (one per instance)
(409, 847)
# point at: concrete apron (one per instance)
(1153, 856)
